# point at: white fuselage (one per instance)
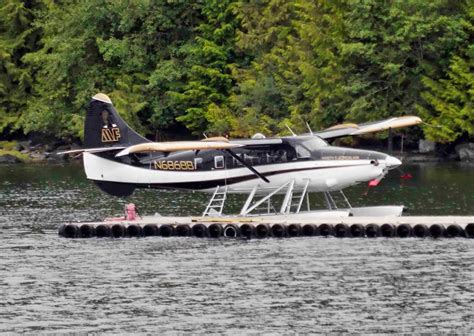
(323, 175)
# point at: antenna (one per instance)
(204, 134)
(290, 130)
(309, 127)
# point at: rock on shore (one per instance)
(466, 152)
(8, 158)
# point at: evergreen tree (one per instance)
(18, 36)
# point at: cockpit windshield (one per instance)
(305, 148)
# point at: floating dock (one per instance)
(275, 226)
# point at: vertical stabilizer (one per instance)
(104, 127)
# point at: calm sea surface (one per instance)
(201, 286)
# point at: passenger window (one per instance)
(219, 162)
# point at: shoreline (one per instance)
(23, 152)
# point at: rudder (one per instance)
(103, 126)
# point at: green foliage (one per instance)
(236, 66)
(18, 36)
(451, 101)
(450, 98)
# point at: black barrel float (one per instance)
(326, 230)
(387, 230)
(231, 231)
(293, 230)
(247, 230)
(103, 230)
(404, 230)
(262, 230)
(61, 230)
(166, 230)
(134, 230)
(372, 231)
(215, 230)
(453, 231)
(357, 230)
(278, 230)
(183, 230)
(86, 231)
(69, 230)
(469, 230)
(150, 230)
(421, 231)
(200, 230)
(309, 230)
(118, 230)
(437, 230)
(341, 230)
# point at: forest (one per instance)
(237, 67)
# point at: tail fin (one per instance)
(104, 127)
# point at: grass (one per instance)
(8, 147)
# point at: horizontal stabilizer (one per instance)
(176, 146)
(91, 150)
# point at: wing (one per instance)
(176, 146)
(210, 143)
(338, 131)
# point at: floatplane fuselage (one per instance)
(119, 160)
(302, 159)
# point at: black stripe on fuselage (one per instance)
(200, 185)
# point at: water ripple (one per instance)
(202, 286)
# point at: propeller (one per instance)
(252, 169)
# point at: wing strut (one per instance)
(252, 169)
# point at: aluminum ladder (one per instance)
(296, 200)
(216, 204)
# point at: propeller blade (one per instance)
(252, 169)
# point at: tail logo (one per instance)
(110, 134)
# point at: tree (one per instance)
(18, 36)
(450, 97)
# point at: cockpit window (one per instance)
(304, 149)
(302, 152)
(315, 143)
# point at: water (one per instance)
(201, 286)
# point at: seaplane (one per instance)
(277, 173)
